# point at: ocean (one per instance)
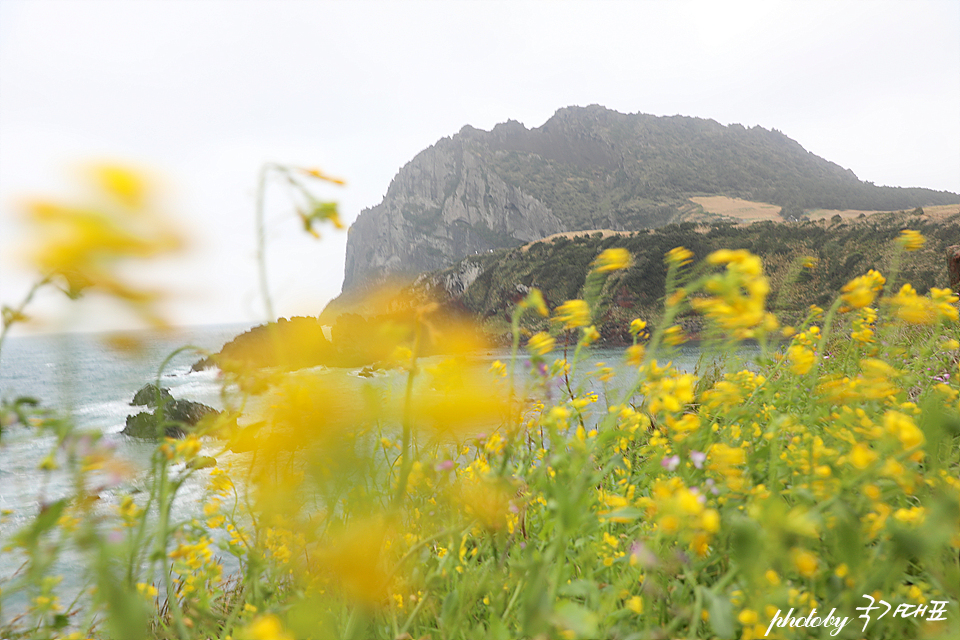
(82, 376)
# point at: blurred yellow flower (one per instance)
(861, 291)
(801, 359)
(573, 314)
(679, 256)
(86, 246)
(614, 259)
(590, 335)
(316, 173)
(534, 300)
(541, 343)
(806, 563)
(903, 428)
(266, 627)
(911, 240)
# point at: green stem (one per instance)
(405, 462)
(18, 312)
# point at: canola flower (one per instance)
(85, 246)
(862, 291)
(911, 240)
(679, 256)
(573, 314)
(541, 343)
(614, 259)
(439, 500)
(736, 299)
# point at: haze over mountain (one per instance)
(588, 168)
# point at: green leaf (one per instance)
(47, 518)
(577, 618)
(721, 614)
(451, 605)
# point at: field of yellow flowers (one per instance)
(447, 501)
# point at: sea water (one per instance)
(83, 377)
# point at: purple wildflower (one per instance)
(671, 463)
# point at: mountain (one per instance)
(588, 168)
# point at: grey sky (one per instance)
(204, 92)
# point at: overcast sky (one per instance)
(204, 92)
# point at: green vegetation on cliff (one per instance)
(842, 252)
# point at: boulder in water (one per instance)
(149, 394)
(177, 417)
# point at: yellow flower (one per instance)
(266, 627)
(147, 590)
(685, 424)
(914, 309)
(534, 300)
(88, 246)
(614, 259)
(674, 336)
(747, 617)
(903, 428)
(861, 291)
(635, 355)
(541, 343)
(723, 458)
(911, 240)
(679, 256)
(740, 259)
(801, 359)
(863, 326)
(806, 563)
(590, 335)
(861, 456)
(573, 314)
(637, 326)
(670, 393)
(710, 521)
(316, 173)
(945, 301)
(737, 297)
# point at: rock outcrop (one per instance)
(585, 168)
(149, 394)
(445, 204)
(176, 417)
(291, 344)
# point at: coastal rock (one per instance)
(176, 416)
(148, 395)
(292, 344)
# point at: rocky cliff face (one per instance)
(586, 168)
(445, 204)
